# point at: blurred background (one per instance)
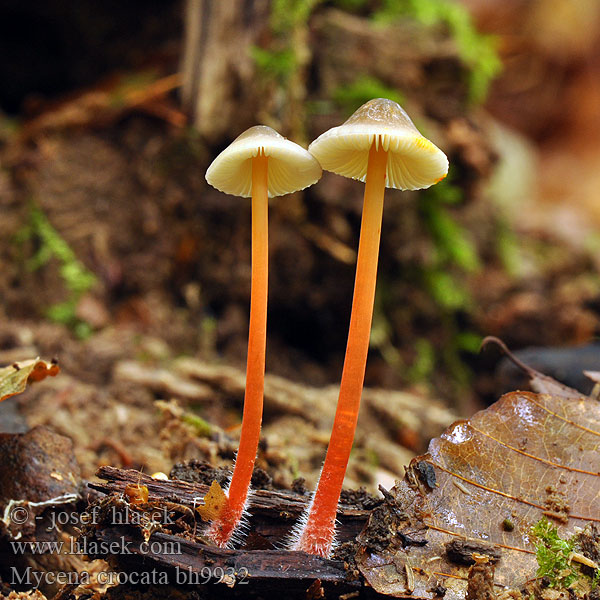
(114, 249)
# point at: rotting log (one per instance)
(196, 564)
(272, 513)
(179, 552)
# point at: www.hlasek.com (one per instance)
(228, 575)
(95, 547)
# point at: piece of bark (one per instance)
(272, 513)
(193, 562)
(184, 559)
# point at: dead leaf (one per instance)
(214, 502)
(527, 456)
(14, 379)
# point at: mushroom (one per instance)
(379, 145)
(260, 163)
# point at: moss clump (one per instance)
(76, 278)
(283, 56)
(556, 558)
(476, 50)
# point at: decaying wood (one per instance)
(397, 54)
(190, 494)
(272, 514)
(279, 569)
(217, 74)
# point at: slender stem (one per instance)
(222, 529)
(318, 533)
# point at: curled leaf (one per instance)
(539, 382)
(14, 379)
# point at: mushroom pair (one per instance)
(379, 145)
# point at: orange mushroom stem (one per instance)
(318, 534)
(222, 529)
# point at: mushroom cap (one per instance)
(291, 167)
(413, 161)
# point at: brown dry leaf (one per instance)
(14, 379)
(484, 483)
(214, 502)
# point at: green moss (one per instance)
(276, 64)
(381, 330)
(453, 258)
(476, 50)
(287, 14)
(201, 427)
(453, 245)
(371, 457)
(280, 59)
(469, 341)
(507, 249)
(552, 554)
(424, 363)
(445, 289)
(555, 557)
(77, 280)
(592, 243)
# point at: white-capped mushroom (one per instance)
(413, 162)
(379, 145)
(291, 167)
(259, 163)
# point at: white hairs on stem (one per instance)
(294, 537)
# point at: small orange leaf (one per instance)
(136, 494)
(214, 503)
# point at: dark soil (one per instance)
(199, 471)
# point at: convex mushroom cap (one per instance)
(291, 167)
(413, 161)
